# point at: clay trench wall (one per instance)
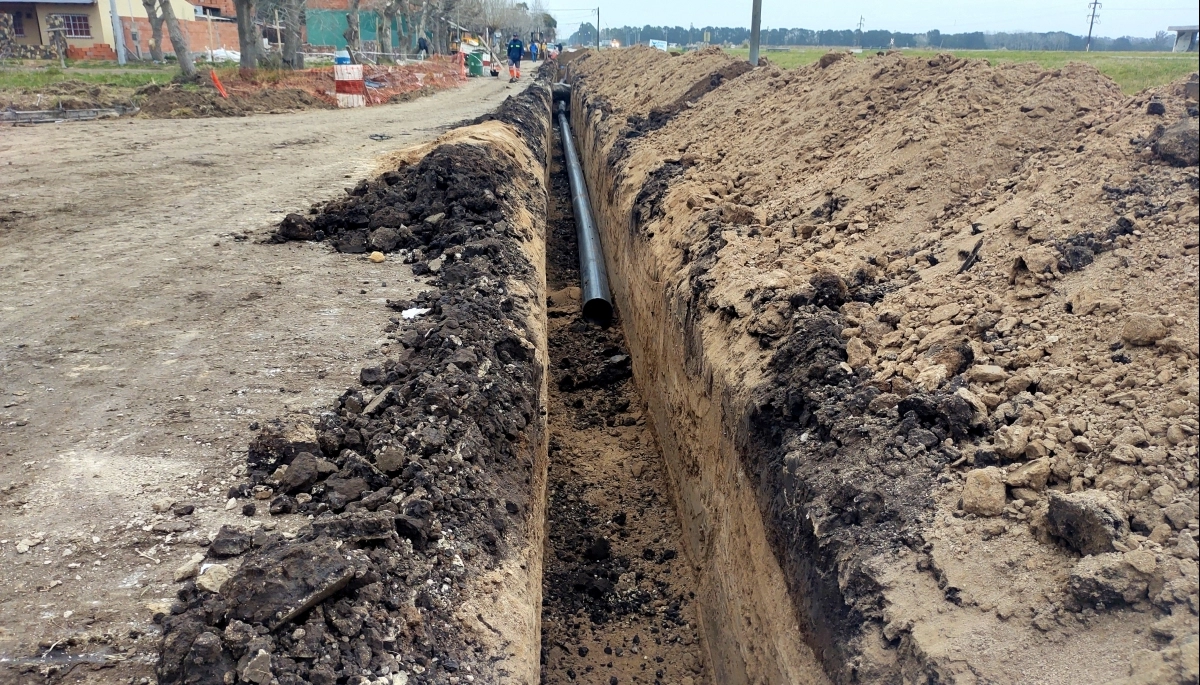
(748, 615)
(457, 492)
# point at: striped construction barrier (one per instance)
(349, 87)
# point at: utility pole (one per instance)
(118, 32)
(597, 28)
(862, 21)
(1095, 5)
(755, 21)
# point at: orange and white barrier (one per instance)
(349, 87)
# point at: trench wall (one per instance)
(698, 412)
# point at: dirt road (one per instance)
(143, 331)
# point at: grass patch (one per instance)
(26, 78)
(1132, 71)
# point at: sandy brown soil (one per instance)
(619, 602)
(846, 252)
(142, 334)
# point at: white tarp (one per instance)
(223, 55)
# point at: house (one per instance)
(1185, 38)
(29, 29)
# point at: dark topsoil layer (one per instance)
(174, 102)
(437, 438)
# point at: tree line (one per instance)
(433, 19)
(874, 39)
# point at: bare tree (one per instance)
(353, 34)
(387, 13)
(423, 17)
(156, 24)
(178, 40)
(292, 53)
(248, 37)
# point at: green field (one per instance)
(32, 78)
(1132, 71)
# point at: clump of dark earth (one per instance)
(445, 201)
(1179, 143)
(842, 475)
(435, 439)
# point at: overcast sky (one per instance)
(1116, 17)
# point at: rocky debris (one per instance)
(229, 542)
(300, 475)
(1089, 522)
(406, 477)
(258, 669)
(213, 578)
(189, 569)
(1143, 329)
(1110, 579)
(1033, 475)
(1179, 143)
(282, 581)
(984, 493)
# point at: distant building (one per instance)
(1185, 38)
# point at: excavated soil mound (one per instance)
(176, 102)
(948, 314)
(70, 94)
(422, 484)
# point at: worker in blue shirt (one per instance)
(516, 50)
(533, 51)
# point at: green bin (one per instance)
(475, 63)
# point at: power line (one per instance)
(1095, 5)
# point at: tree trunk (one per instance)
(352, 34)
(156, 23)
(292, 48)
(423, 21)
(248, 39)
(403, 19)
(178, 41)
(383, 32)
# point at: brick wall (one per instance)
(96, 51)
(224, 33)
(343, 5)
(225, 7)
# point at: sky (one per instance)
(1116, 17)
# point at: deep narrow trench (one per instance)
(618, 603)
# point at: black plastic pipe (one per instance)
(597, 299)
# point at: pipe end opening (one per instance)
(598, 311)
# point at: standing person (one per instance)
(533, 51)
(422, 47)
(516, 50)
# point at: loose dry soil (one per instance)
(143, 333)
(944, 314)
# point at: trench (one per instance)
(619, 602)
